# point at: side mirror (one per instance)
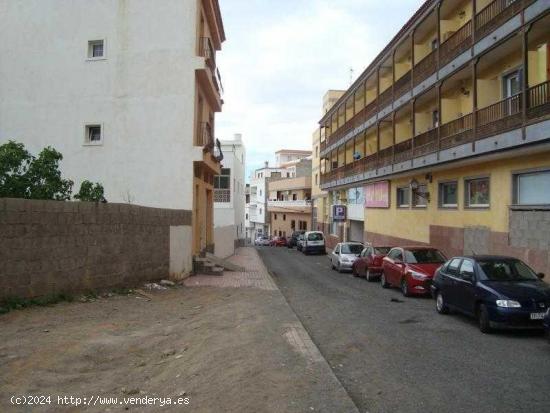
(540, 275)
(468, 276)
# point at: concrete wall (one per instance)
(224, 238)
(49, 247)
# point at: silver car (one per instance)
(344, 255)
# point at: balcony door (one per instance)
(512, 87)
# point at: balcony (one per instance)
(207, 51)
(496, 13)
(456, 44)
(505, 115)
(209, 77)
(425, 68)
(402, 85)
(205, 138)
(301, 203)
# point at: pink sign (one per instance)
(377, 195)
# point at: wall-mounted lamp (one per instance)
(464, 91)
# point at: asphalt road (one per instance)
(396, 354)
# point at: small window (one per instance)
(96, 49)
(528, 188)
(293, 224)
(275, 217)
(448, 195)
(466, 269)
(477, 193)
(403, 197)
(93, 134)
(284, 217)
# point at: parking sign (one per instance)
(339, 212)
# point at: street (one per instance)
(396, 354)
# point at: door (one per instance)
(511, 87)
(466, 290)
(449, 282)
(392, 271)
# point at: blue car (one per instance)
(500, 292)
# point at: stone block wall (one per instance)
(49, 247)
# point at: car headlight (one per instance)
(508, 304)
(418, 275)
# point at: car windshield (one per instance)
(316, 236)
(427, 256)
(351, 249)
(382, 250)
(507, 270)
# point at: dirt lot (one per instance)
(226, 349)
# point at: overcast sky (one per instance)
(281, 56)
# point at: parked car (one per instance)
(411, 269)
(369, 263)
(293, 239)
(501, 292)
(262, 240)
(344, 255)
(300, 242)
(278, 242)
(314, 242)
(546, 323)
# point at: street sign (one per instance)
(339, 212)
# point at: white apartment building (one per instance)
(127, 91)
(229, 198)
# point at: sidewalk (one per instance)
(229, 344)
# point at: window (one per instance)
(275, 217)
(477, 193)
(316, 236)
(246, 216)
(96, 49)
(419, 196)
(435, 43)
(316, 180)
(466, 269)
(93, 134)
(448, 194)
(284, 217)
(403, 197)
(452, 268)
(222, 186)
(528, 188)
(424, 256)
(292, 224)
(260, 192)
(303, 225)
(396, 255)
(294, 197)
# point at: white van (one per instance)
(314, 242)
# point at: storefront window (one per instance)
(477, 193)
(448, 195)
(529, 188)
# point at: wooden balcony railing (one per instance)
(456, 132)
(385, 98)
(425, 143)
(495, 14)
(206, 50)
(538, 100)
(402, 85)
(499, 116)
(491, 120)
(459, 42)
(385, 157)
(403, 151)
(425, 68)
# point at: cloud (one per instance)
(281, 57)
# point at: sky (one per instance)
(281, 56)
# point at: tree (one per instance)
(14, 162)
(24, 176)
(90, 192)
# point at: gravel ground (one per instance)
(396, 354)
(231, 348)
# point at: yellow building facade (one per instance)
(447, 132)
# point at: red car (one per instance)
(411, 269)
(278, 242)
(369, 263)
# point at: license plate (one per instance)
(537, 316)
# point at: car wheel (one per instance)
(368, 275)
(483, 319)
(440, 304)
(405, 287)
(383, 281)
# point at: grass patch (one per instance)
(16, 303)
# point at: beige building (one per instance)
(320, 212)
(289, 205)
